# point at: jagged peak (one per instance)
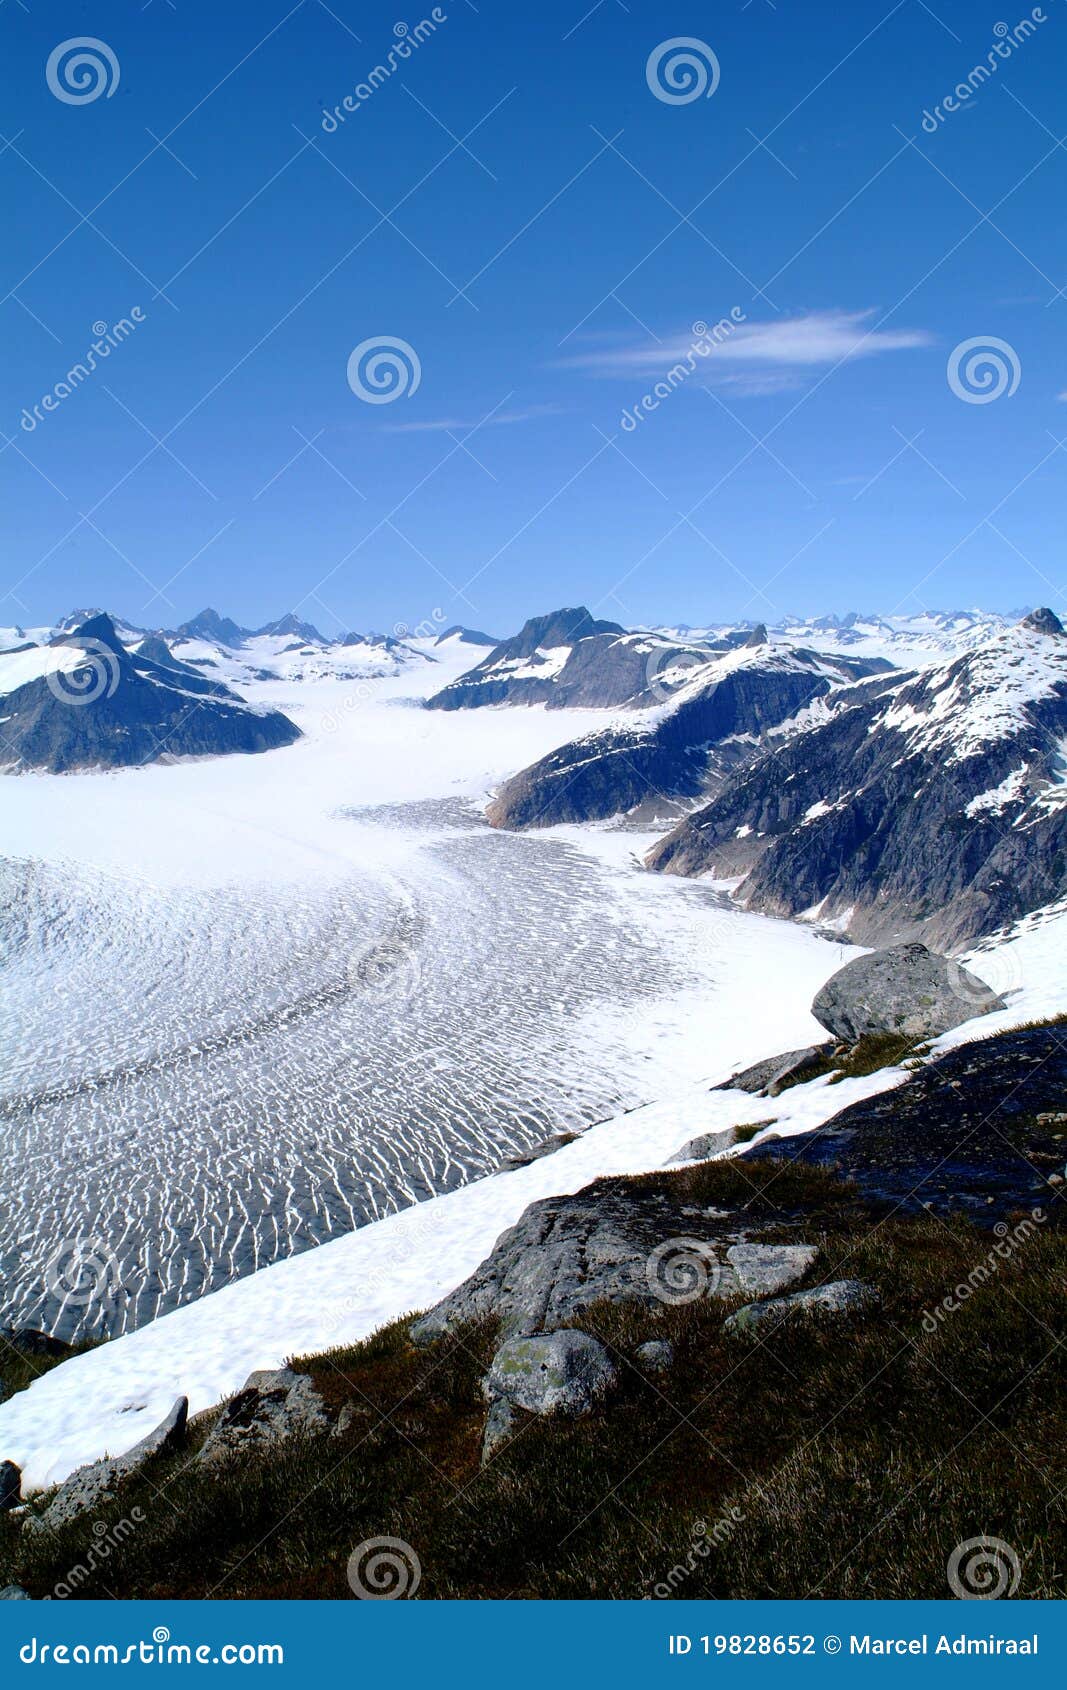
(1043, 621)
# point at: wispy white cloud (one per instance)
(1062, 397)
(762, 357)
(464, 425)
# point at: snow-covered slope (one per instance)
(109, 1398)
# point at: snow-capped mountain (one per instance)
(86, 701)
(934, 807)
(906, 641)
(705, 713)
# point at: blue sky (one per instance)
(515, 203)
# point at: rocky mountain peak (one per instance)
(758, 636)
(98, 629)
(1043, 621)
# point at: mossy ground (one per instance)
(825, 1462)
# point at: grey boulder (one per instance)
(906, 989)
(271, 1406)
(93, 1486)
(769, 1076)
(842, 1299)
(655, 1356)
(554, 1373)
(702, 1148)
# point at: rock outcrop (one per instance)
(906, 989)
(616, 1243)
(961, 1136)
(270, 1407)
(840, 1300)
(93, 1486)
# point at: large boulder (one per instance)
(91, 1487)
(906, 989)
(270, 1407)
(614, 1242)
(771, 1075)
(555, 1373)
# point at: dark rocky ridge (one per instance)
(963, 1136)
(123, 708)
(708, 729)
(920, 812)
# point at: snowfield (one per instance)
(309, 999)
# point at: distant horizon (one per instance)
(437, 623)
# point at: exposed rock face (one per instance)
(768, 1078)
(842, 1299)
(93, 1486)
(708, 726)
(932, 808)
(960, 1137)
(209, 625)
(270, 1407)
(10, 1485)
(612, 1242)
(120, 708)
(555, 1373)
(906, 989)
(525, 669)
(290, 625)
